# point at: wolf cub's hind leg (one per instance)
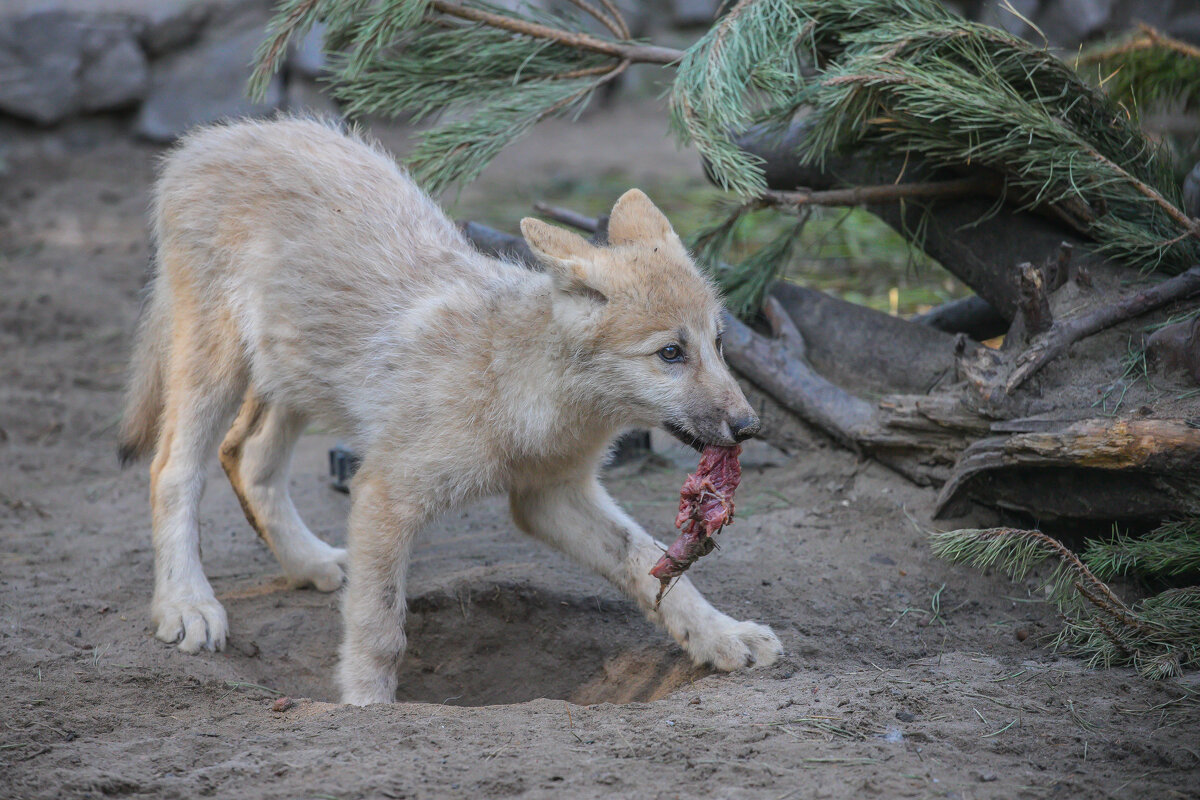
(256, 456)
(198, 406)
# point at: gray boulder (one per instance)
(1069, 21)
(1191, 192)
(306, 55)
(204, 84)
(170, 24)
(694, 12)
(58, 63)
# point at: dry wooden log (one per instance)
(1066, 332)
(972, 315)
(1058, 269)
(1100, 469)
(499, 244)
(866, 350)
(568, 216)
(917, 436)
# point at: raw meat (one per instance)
(705, 505)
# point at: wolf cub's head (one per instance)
(645, 324)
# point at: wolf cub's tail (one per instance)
(147, 376)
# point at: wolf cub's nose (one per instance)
(745, 427)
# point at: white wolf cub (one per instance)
(301, 275)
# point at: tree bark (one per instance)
(1095, 469)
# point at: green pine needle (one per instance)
(1169, 551)
(902, 76)
(1160, 636)
(1143, 72)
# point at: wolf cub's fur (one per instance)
(301, 275)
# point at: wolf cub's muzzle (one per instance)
(740, 429)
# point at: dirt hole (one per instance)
(509, 644)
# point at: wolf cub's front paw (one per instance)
(193, 622)
(730, 645)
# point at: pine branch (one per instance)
(1016, 552)
(1158, 636)
(1146, 38)
(634, 53)
(905, 75)
(745, 285)
(1146, 69)
(609, 22)
(1168, 551)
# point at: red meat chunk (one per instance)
(705, 505)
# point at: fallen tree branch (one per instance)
(1034, 299)
(568, 217)
(1064, 333)
(885, 193)
(867, 351)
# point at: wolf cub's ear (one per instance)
(636, 220)
(567, 256)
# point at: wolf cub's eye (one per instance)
(671, 353)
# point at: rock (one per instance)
(205, 84)
(306, 56)
(1191, 192)
(1186, 27)
(304, 96)
(994, 14)
(115, 73)
(58, 63)
(1067, 22)
(694, 12)
(1176, 349)
(171, 24)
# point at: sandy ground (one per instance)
(903, 676)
